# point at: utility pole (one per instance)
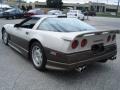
(117, 7)
(19, 3)
(97, 6)
(1, 5)
(97, 1)
(107, 1)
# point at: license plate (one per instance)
(97, 48)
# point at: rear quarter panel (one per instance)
(50, 40)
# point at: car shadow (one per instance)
(90, 71)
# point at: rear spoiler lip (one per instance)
(91, 32)
(100, 32)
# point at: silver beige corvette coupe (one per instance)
(60, 41)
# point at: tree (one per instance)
(54, 4)
(29, 7)
(23, 8)
(117, 8)
(92, 8)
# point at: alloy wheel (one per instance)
(37, 56)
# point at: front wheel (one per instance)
(38, 56)
(7, 18)
(83, 19)
(13, 17)
(5, 37)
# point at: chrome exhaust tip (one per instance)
(113, 58)
(81, 68)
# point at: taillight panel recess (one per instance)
(109, 38)
(84, 42)
(74, 44)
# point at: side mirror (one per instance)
(17, 25)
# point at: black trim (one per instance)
(80, 56)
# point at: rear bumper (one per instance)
(82, 58)
(26, 16)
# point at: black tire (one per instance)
(42, 66)
(7, 18)
(103, 61)
(83, 19)
(5, 37)
(13, 17)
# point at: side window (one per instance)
(46, 25)
(13, 11)
(50, 25)
(17, 11)
(29, 23)
(21, 11)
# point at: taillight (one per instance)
(75, 44)
(30, 14)
(109, 38)
(83, 42)
(113, 37)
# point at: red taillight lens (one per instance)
(30, 14)
(83, 42)
(75, 44)
(109, 38)
(113, 37)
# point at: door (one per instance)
(21, 34)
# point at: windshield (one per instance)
(10, 10)
(64, 25)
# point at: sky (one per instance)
(81, 1)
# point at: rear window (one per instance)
(64, 25)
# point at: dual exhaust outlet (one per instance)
(113, 58)
(81, 68)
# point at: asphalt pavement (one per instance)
(17, 72)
